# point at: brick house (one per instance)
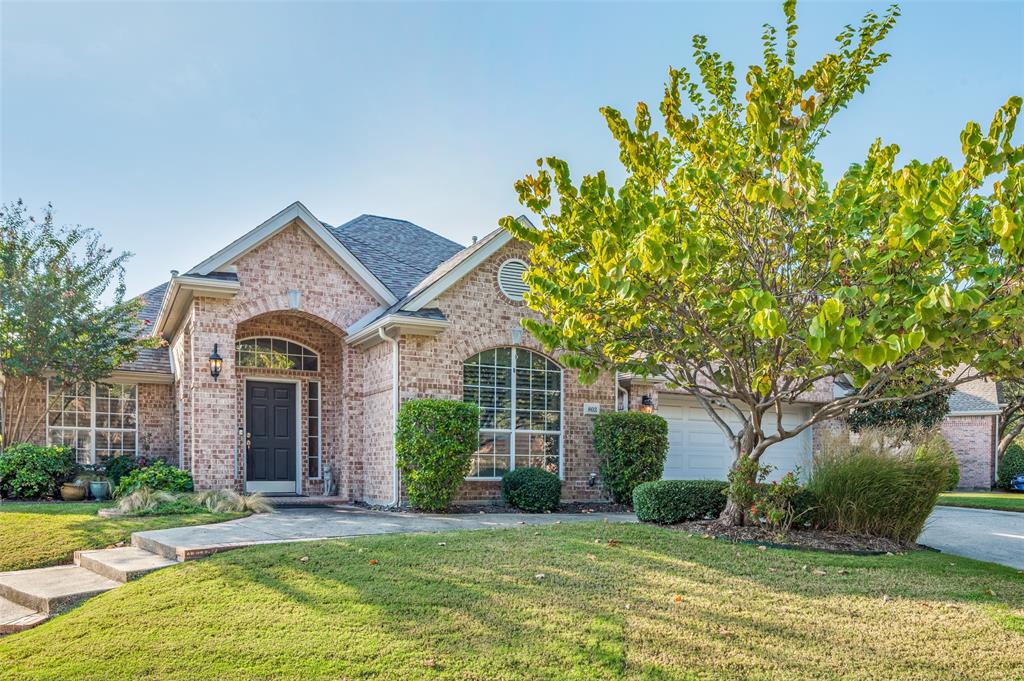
(324, 330)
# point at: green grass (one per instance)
(40, 534)
(998, 501)
(555, 602)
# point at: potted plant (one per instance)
(73, 491)
(99, 488)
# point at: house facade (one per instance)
(322, 331)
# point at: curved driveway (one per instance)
(995, 536)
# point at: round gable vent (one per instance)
(510, 279)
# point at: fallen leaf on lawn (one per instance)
(591, 556)
(373, 561)
(820, 573)
(558, 522)
(677, 599)
(613, 542)
(304, 559)
(992, 593)
(885, 598)
(539, 575)
(442, 543)
(722, 631)
(843, 572)
(762, 548)
(772, 570)
(804, 568)
(429, 663)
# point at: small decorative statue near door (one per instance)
(328, 481)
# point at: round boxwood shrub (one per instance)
(1011, 464)
(531, 489)
(631, 447)
(435, 441)
(31, 471)
(158, 477)
(672, 501)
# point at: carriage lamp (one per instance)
(647, 404)
(216, 362)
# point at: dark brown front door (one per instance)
(270, 433)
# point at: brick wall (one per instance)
(972, 438)
(157, 421)
(481, 318)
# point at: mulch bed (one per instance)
(802, 538)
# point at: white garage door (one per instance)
(698, 450)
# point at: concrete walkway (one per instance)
(307, 524)
(994, 536)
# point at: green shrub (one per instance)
(157, 477)
(631, 447)
(877, 484)
(672, 501)
(32, 471)
(531, 489)
(1011, 464)
(805, 507)
(954, 475)
(116, 467)
(435, 441)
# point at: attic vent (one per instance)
(510, 279)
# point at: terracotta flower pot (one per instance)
(69, 491)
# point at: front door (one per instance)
(270, 422)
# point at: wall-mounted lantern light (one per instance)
(647, 404)
(216, 362)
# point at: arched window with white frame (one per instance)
(268, 352)
(520, 396)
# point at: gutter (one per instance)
(396, 497)
(623, 392)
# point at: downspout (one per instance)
(623, 392)
(396, 497)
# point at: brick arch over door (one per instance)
(313, 308)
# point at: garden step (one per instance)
(54, 589)
(15, 618)
(121, 564)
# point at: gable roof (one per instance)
(298, 214)
(401, 254)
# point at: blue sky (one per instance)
(176, 127)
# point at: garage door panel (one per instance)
(699, 450)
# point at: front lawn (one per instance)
(40, 534)
(578, 601)
(997, 501)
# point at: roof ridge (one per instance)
(403, 220)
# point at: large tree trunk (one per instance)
(1007, 436)
(736, 512)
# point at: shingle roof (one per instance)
(398, 252)
(156, 360)
(959, 401)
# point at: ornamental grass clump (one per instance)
(876, 484)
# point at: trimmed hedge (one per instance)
(533, 490)
(667, 502)
(631, 447)
(31, 471)
(435, 441)
(158, 477)
(1011, 464)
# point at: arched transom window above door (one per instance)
(266, 352)
(519, 393)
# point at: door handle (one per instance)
(248, 440)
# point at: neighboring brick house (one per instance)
(324, 330)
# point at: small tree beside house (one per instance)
(726, 263)
(54, 323)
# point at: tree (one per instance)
(904, 415)
(726, 264)
(1011, 413)
(52, 321)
